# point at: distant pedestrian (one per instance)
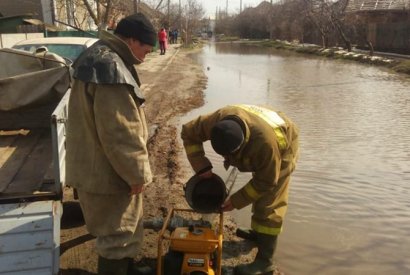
(175, 36)
(162, 38)
(183, 37)
(171, 36)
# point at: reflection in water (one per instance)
(349, 207)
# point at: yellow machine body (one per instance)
(201, 247)
(197, 263)
(200, 240)
(197, 245)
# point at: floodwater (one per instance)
(349, 209)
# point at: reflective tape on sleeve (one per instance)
(191, 149)
(252, 193)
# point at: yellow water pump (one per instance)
(192, 250)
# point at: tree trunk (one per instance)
(104, 23)
(91, 12)
(325, 41)
(371, 49)
(343, 36)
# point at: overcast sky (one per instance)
(210, 6)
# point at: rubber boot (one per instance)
(246, 233)
(263, 263)
(138, 269)
(112, 267)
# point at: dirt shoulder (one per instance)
(174, 86)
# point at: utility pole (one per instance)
(169, 23)
(136, 6)
(186, 24)
(240, 6)
(53, 12)
(69, 12)
(180, 19)
(226, 7)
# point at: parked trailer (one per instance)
(32, 161)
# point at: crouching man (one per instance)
(253, 139)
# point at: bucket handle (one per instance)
(231, 179)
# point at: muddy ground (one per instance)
(174, 85)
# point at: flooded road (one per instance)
(349, 209)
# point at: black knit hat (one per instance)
(139, 27)
(226, 136)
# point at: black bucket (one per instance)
(205, 195)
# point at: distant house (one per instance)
(24, 23)
(72, 14)
(40, 9)
(50, 12)
(387, 23)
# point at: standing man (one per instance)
(253, 139)
(176, 36)
(107, 157)
(162, 38)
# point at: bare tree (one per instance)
(80, 13)
(289, 20)
(187, 18)
(193, 13)
(104, 11)
(327, 17)
(336, 14)
(360, 29)
(251, 23)
(316, 12)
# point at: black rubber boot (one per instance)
(263, 263)
(138, 268)
(246, 233)
(112, 267)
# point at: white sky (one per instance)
(210, 6)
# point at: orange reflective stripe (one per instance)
(272, 118)
(190, 149)
(265, 229)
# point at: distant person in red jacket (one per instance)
(162, 38)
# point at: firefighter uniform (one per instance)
(269, 151)
(107, 147)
